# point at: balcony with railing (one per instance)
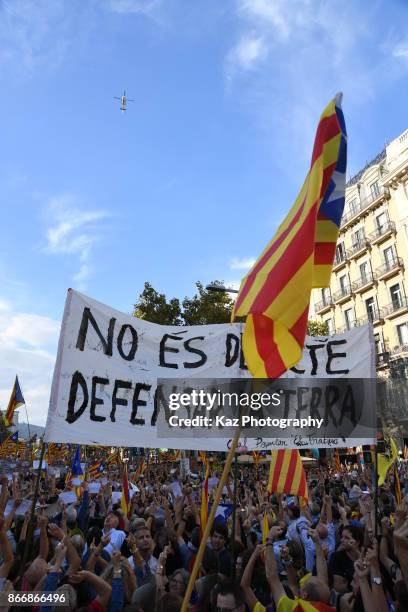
(375, 198)
(364, 205)
(340, 260)
(398, 350)
(364, 282)
(324, 305)
(397, 307)
(382, 232)
(358, 248)
(343, 294)
(389, 268)
(375, 316)
(347, 327)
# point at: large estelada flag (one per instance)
(287, 474)
(16, 400)
(275, 294)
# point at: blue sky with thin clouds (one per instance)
(192, 181)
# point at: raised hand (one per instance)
(361, 568)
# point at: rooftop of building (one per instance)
(377, 159)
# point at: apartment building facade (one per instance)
(369, 283)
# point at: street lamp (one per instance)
(221, 288)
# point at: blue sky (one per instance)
(192, 181)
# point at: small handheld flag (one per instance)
(125, 498)
(287, 474)
(76, 469)
(16, 400)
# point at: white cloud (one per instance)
(244, 263)
(27, 348)
(274, 12)
(72, 230)
(38, 34)
(247, 54)
(309, 50)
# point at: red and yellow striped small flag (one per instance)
(16, 400)
(406, 452)
(275, 294)
(286, 474)
(113, 458)
(139, 471)
(204, 498)
(337, 462)
(125, 499)
(68, 478)
(203, 457)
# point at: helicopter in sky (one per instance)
(123, 101)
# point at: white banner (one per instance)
(108, 363)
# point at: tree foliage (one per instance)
(207, 306)
(317, 328)
(203, 308)
(154, 307)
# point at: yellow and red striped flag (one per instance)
(275, 294)
(287, 474)
(204, 497)
(113, 458)
(68, 478)
(125, 499)
(139, 471)
(337, 462)
(406, 452)
(203, 457)
(16, 400)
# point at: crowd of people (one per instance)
(342, 550)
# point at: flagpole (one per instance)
(234, 516)
(29, 534)
(216, 501)
(376, 491)
(28, 422)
